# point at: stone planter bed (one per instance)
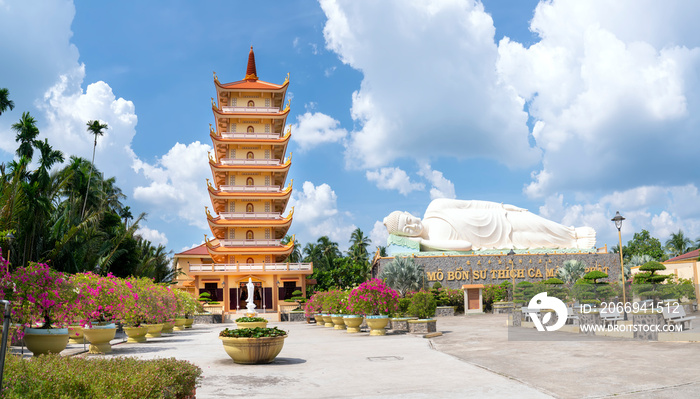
(442, 311)
(422, 326)
(207, 318)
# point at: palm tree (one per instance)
(26, 134)
(403, 275)
(295, 255)
(571, 271)
(5, 101)
(358, 246)
(678, 244)
(126, 215)
(96, 128)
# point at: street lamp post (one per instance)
(512, 277)
(618, 223)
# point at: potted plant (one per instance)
(135, 315)
(375, 300)
(335, 303)
(169, 309)
(40, 297)
(423, 305)
(251, 322)
(312, 308)
(253, 345)
(100, 302)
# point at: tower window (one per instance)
(251, 103)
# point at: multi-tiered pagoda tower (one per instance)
(249, 194)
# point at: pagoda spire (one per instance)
(250, 73)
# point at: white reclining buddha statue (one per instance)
(459, 225)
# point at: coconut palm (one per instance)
(5, 101)
(403, 275)
(97, 129)
(358, 246)
(678, 244)
(571, 271)
(126, 215)
(26, 135)
(295, 255)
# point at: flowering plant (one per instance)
(100, 298)
(41, 295)
(373, 297)
(135, 301)
(313, 305)
(335, 302)
(187, 303)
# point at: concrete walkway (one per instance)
(474, 358)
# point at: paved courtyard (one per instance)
(473, 358)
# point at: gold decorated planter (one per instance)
(168, 326)
(41, 341)
(338, 322)
(353, 323)
(251, 324)
(377, 324)
(136, 334)
(328, 320)
(153, 330)
(189, 323)
(180, 324)
(75, 335)
(100, 337)
(253, 350)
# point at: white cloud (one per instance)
(378, 235)
(441, 186)
(316, 210)
(152, 235)
(660, 210)
(314, 129)
(393, 179)
(429, 83)
(329, 71)
(177, 183)
(607, 84)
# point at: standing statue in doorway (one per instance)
(251, 292)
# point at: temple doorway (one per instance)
(257, 294)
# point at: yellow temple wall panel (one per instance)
(242, 233)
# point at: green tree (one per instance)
(403, 275)
(5, 102)
(295, 255)
(643, 243)
(570, 271)
(358, 246)
(97, 129)
(26, 134)
(678, 244)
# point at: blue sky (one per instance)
(573, 110)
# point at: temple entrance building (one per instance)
(249, 194)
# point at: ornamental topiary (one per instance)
(423, 305)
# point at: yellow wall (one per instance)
(242, 205)
(258, 233)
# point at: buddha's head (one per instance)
(403, 224)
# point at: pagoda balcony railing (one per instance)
(252, 110)
(250, 215)
(250, 243)
(243, 135)
(250, 267)
(250, 189)
(236, 161)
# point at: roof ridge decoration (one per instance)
(251, 73)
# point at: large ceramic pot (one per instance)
(180, 323)
(99, 337)
(327, 320)
(42, 341)
(337, 320)
(319, 319)
(377, 324)
(189, 322)
(253, 350)
(352, 322)
(153, 330)
(251, 324)
(136, 334)
(75, 335)
(168, 326)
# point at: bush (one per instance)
(256, 332)
(55, 376)
(404, 303)
(422, 305)
(494, 293)
(250, 319)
